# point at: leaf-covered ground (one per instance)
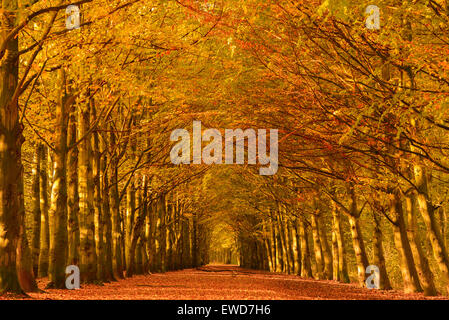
(220, 282)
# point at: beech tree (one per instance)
(86, 116)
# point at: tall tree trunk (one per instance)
(306, 269)
(408, 268)
(44, 234)
(327, 252)
(162, 212)
(115, 202)
(97, 195)
(186, 248)
(195, 254)
(359, 249)
(422, 264)
(267, 242)
(140, 220)
(11, 140)
(298, 245)
(58, 207)
(337, 232)
(150, 234)
(117, 260)
(339, 251)
(106, 210)
(24, 259)
(428, 214)
(317, 247)
(73, 196)
(274, 234)
(88, 257)
(379, 257)
(335, 256)
(137, 229)
(170, 235)
(143, 209)
(36, 204)
(284, 243)
(357, 239)
(294, 247)
(442, 222)
(129, 225)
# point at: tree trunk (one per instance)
(359, 249)
(162, 212)
(306, 269)
(357, 239)
(129, 225)
(73, 196)
(337, 232)
(36, 204)
(11, 140)
(298, 244)
(149, 233)
(97, 195)
(106, 210)
(88, 257)
(136, 232)
(24, 258)
(195, 254)
(379, 257)
(317, 247)
(117, 264)
(422, 264)
(284, 242)
(44, 236)
(327, 253)
(408, 269)
(267, 242)
(274, 235)
(186, 251)
(58, 206)
(428, 214)
(294, 240)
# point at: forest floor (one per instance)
(220, 282)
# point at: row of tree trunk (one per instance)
(79, 213)
(312, 244)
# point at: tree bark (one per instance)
(306, 269)
(428, 214)
(44, 234)
(357, 239)
(340, 258)
(117, 264)
(97, 194)
(58, 206)
(379, 257)
(422, 264)
(73, 196)
(11, 140)
(88, 257)
(408, 268)
(106, 210)
(327, 252)
(36, 208)
(317, 247)
(24, 259)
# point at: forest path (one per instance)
(220, 282)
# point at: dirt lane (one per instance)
(220, 282)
